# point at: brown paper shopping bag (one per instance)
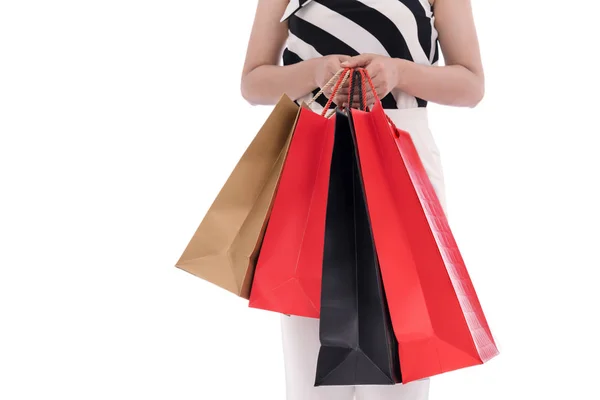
(224, 248)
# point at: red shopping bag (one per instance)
(288, 271)
(436, 315)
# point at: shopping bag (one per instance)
(223, 249)
(435, 312)
(288, 272)
(358, 346)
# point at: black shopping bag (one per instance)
(358, 346)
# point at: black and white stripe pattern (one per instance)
(395, 28)
(294, 6)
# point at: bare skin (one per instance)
(459, 83)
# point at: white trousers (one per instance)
(301, 335)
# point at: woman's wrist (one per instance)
(402, 70)
(450, 84)
(313, 65)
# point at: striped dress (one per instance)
(395, 28)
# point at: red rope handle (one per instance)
(350, 99)
(335, 90)
(395, 129)
(366, 75)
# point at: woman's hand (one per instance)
(327, 67)
(264, 80)
(383, 70)
(460, 82)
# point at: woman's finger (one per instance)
(379, 89)
(340, 100)
(358, 61)
(346, 91)
(372, 73)
(342, 97)
(356, 101)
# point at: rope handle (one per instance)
(366, 76)
(351, 74)
(347, 73)
(335, 78)
(358, 79)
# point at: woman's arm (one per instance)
(459, 83)
(263, 79)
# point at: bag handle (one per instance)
(340, 78)
(366, 76)
(357, 76)
(347, 73)
(337, 77)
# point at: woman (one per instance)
(396, 41)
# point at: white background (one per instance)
(119, 122)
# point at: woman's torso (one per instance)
(396, 28)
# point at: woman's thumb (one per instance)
(354, 62)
